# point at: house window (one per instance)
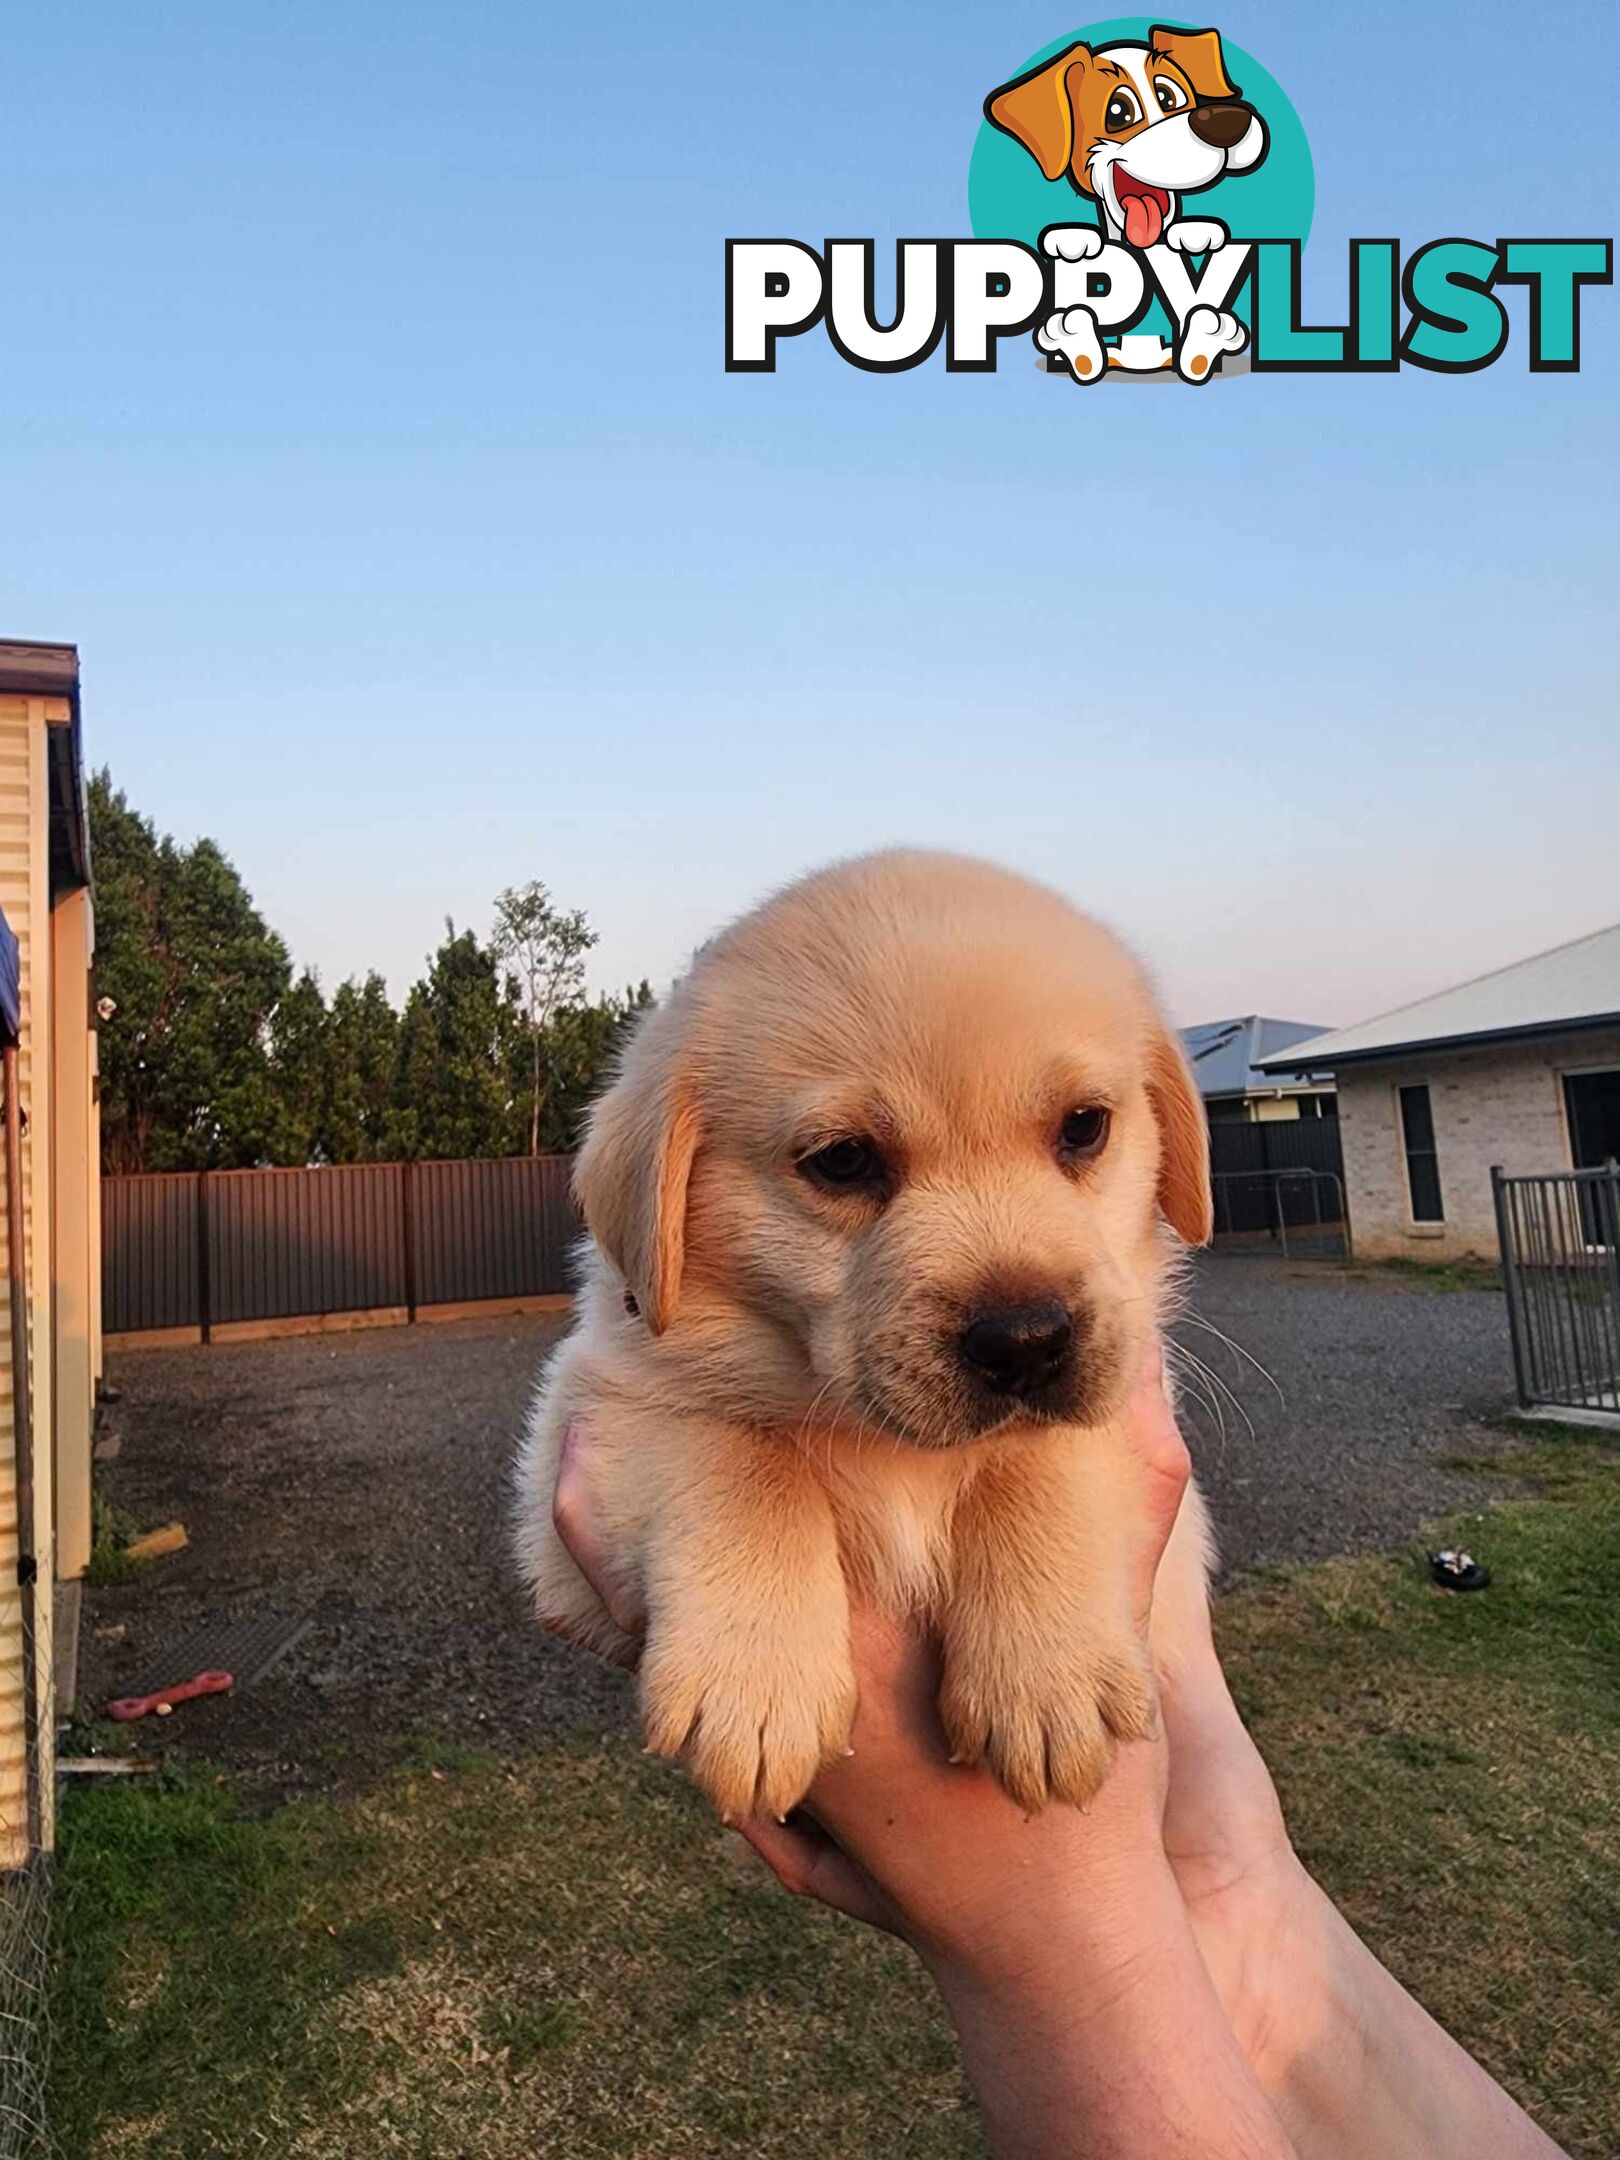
(1422, 1163)
(1592, 1108)
(1592, 1102)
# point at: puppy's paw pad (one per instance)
(1072, 243)
(1072, 334)
(1206, 337)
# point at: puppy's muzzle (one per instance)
(1223, 126)
(1025, 1349)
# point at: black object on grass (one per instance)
(1458, 1571)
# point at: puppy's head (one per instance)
(1134, 126)
(900, 1153)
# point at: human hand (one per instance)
(896, 1834)
(1059, 1940)
(1158, 1973)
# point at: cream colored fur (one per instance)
(777, 1416)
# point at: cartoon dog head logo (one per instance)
(1099, 182)
(1136, 126)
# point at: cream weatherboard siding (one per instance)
(1502, 1103)
(75, 1212)
(25, 899)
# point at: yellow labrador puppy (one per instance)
(884, 1207)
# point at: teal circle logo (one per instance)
(1010, 196)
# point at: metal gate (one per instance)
(1560, 1240)
(1278, 1187)
(1281, 1214)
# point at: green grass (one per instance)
(1449, 1765)
(566, 1955)
(1436, 1274)
(111, 1529)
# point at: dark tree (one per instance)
(362, 1043)
(458, 1035)
(581, 1046)
(195, 974)
(298, 1074)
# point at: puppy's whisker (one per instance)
(1191, 1319)
(1192, 1383)
(1194, 1363)
(1192, 1379)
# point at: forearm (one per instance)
(1358, 2070)
(1100, 2039)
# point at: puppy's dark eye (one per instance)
(844, 1163)
(1170, 94)
(1123, 112)
(1083, 1132)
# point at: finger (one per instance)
(807, 1863)
(1155, 1439)
(577, 1517)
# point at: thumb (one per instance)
(1155, 1440)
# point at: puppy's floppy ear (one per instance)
(632, 1173)
(1198, 55)
(1186, 1197)
(1038, 111)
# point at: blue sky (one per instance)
(364, 422)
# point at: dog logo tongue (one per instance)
(1143, 210)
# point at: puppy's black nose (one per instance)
(1016, 1349)
(1221, 126)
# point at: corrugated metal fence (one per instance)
(206, 1249)
(209, 1249)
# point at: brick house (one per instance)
(1520, 1067)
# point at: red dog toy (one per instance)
(137, 1706)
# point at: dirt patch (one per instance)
(361, 1479)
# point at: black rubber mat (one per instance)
(244, 1648)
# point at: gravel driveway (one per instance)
(1377, 1382)
(361, 1478)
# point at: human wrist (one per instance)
(1271, 1944)
(1361, 2069)
(1068, 1938)
(1100, 2033)
(1063, 1887)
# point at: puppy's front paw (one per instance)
(1196, 236)
(753, 1718)
(1046, 1722)
(1072, 243)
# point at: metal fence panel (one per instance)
(1560, 1240)
(493, 1229)
(282, 1243)
(196, 1249)
(149, 1252)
